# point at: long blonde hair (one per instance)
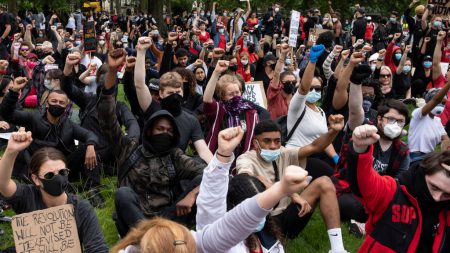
(158, 235)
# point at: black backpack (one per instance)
(282, 121)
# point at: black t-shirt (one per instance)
(28, 198)
(4, 20)
(401, 85)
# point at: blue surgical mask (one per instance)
(398, 56)
(437, 110)
(406, 69)
(437, 24)
(261, 225)
(269, 155)
(48, 84)
(313, 97)
(427, 64)
(288, 61)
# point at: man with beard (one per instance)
(410, 214)
(171, 94)
(155, 178)
(390, 154)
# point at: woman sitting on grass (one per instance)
(164, 236)
(49, 174)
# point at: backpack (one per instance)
(282, 122)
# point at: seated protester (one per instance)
(47, 50)
(426, 130)
(290, 64)
(281, 87)
(213, 200)
(52, 129)
(265, 68)
(393, 53)
(171, 94)
(49, 175)
(386, 83)
(244, 67)
(181, 54)
(428, 72)
(88, 114)
(192, 101)
(90, 77)
(422, 191)
(224, 234)
(391, 154)
(219, 34)
(402, 76)
(149, 174)
(312, 119)
(200, 78)
(5, 83)
(268, 162)
(230, 111)
(151, 71)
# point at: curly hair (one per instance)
(189, 76)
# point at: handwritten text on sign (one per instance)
(50, 230)
(254, 92)
(441, 7)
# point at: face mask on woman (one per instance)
(313, 97)
(427, 64)
(398, 56)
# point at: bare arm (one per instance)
(142, 91)
(249, 9)
(437, 99)
(423, 22)
(318, 145)
(403, 60)
(356, 112)
(203, 150)
(437, 56)
(279, 67)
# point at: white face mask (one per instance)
(101, 42)
(277, 9)
(334, 20)
(221, 30)
(392, 131)
(244, 62)
(373, 67)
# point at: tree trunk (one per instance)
(12, 6)
(155, 7)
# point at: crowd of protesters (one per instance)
(356, 123)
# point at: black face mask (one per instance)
(272, 66)
(55, 186)
(172, 104)
(161, 144)
(232, 68)
(289, 87)
(208, 60)
(56, 110)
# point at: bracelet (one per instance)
(226, 156)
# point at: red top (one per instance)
(369, 31)
(276, 102)
(222, 42)
(445, 116)
(204, 37)
(438, 83)
(251, 23)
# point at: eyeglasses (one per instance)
(391, 120)
(385, 76)
(316, 88)
(51, 175)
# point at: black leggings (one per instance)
(351, 208)
(317, 168)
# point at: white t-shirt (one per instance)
(424, 132)
(311, 127)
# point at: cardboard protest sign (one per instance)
(254, 92)
(48, 230)
(90, 43)
(314, 34)
(293, 30)
(441, 7)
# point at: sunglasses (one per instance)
(51, 175)
(290, 82)
(24, 49)
(385, 76)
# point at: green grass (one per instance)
(313, 238)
